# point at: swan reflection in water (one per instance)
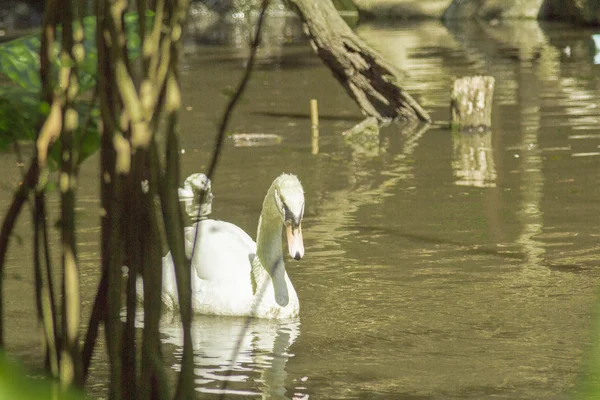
(259, 368)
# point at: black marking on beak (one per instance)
(289, 216)
(297, 256)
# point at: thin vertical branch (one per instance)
(132, 231)
(44, 287)
(110, 188)
(97, 316)
(217, 153)
(172, 216)
(70, 371)
(48, 37)
(44, 300)
(174, 229)
(232, 104)
(153, 382)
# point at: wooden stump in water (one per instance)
(471, 102)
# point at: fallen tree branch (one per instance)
(367, 77)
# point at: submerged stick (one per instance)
(314, 116)
(314, 126)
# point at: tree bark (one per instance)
(471, 102)
(366, 76)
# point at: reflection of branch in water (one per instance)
(339, 205)
(401, 167)
(483, 42)
(533, 183)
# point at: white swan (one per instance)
(232, 275)
(191, 193)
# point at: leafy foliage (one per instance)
(20, 58)
(87, 137)
(20, 61)
(21, 105)
(19, 110)
(14, 384)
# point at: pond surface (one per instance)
(437, 265)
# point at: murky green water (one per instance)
(437, 266)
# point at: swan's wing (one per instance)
(226, 228)
(189, 234)
(222, 251)
(169, 284)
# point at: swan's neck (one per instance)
(270, 269)
(268, 242)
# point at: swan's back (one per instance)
(223, 252)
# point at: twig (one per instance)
(173, 222)
(110, 194)
(97, 316)
(152, 381)
(70, 361)
(46, 307)
(46, 304)
(229, 110)
(19, 199)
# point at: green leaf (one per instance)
(88, 68)
(86, 138)
(20, 61)
(90, 142)
(20, 58)
(21, 110)
(15, 384)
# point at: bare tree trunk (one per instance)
(367, 77)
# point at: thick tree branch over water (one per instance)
(366, 76)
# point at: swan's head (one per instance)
(289, 198)
(193, 186)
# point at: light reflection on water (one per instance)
(436, 266)
(250, 354)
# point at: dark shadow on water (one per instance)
(473, 249)
(274, 114)
(415, 237)
(289, 62)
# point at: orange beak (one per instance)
(295, 243)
